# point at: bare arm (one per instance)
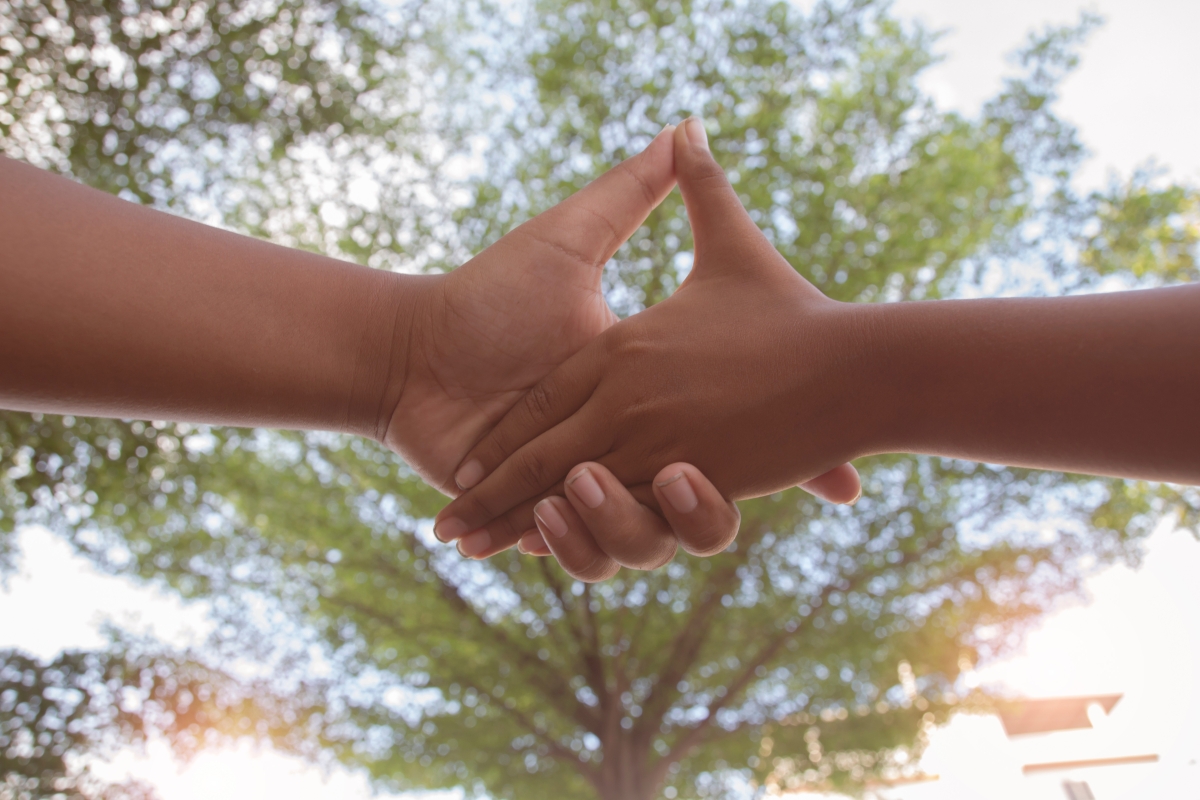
(754, 377)
(1106, 384)
(109, 308)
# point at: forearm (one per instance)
(1104, 384)
(108, 308)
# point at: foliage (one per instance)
(55, 717)
(1146, 231)
(814, 652)
(123, 81)
(239, 111)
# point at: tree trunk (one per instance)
(626, 773)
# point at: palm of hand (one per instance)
(735, 374)
(496, 326)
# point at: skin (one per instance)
(754, 377)
(108, 308)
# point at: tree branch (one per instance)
(551, 681)
(556, 748)
(695, 632)
(552, 580)
(548, 681)
(591, 634)
(693, 738)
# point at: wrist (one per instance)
(914, 360)
(877, 402)
(836, 405)
(389, 308)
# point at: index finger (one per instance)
(531, 470)
(553, 400)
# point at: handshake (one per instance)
(510, 385)
(609, 443)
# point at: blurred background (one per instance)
(190, 611)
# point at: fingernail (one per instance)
(696, 133)
(857, 497)
(533, 544)
(679, 493)
(584, 484)
(549, 520)
(449, 529)
(475, 543)
(470, 474)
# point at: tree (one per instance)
(57, 717)
(252, 114)
(812, 653)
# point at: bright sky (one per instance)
(1140, 636)
(1133, 98)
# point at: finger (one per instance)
(518, 524)
(555, 398)
(532, 470)
(533, 544)
(713, 207)
(571, 543)
(505, 531)
(629, 532)
(595, 221)
(704, 522)
(840, 485)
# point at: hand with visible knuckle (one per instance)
(540, 401)
(531, 470)
(746, 372)
(472, 352)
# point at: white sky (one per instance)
(1140, 636)
(1134, 97)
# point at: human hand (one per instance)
(743, 372)
(693, 514)
(487, 332)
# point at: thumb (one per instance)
(840, 485)
(713, 207)
(592, 223)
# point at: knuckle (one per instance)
(629, 169)
(496, 448)
(530, 469)
(628, 545)
(479, 507)
(633, 341)
(618, 343)
(649, 552)
(657, 450)
(708, 175)
(505, 531)
(540, 402)
(733, 524)
(707, 543)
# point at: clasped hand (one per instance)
(639, 441)
(510, 384)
